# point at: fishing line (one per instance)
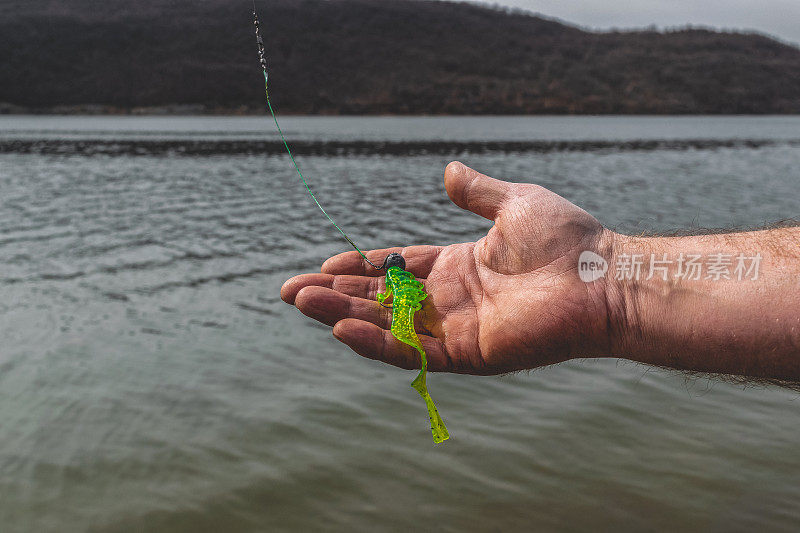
(263, 62)
(406, 292)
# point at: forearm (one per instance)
(731, 318)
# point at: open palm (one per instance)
(512, 300)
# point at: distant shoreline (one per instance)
(91, 147)
(180, 110)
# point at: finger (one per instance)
(359, 286)
(329, 307)
(419, 261)
(372, 342)
(473, 191)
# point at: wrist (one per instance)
(624, 297)
(631, 299)
(663, 309)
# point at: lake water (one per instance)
(152, 380)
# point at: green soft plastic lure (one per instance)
(406, 292)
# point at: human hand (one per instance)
(512, 300)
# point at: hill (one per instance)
(374, 56)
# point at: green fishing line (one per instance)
(406, 291)
(299, 173)
(263, 62)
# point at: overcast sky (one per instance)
(780, 18)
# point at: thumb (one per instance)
(473, 191)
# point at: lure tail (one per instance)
(403, 330)
(438, 429)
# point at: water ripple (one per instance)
(151, 378)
